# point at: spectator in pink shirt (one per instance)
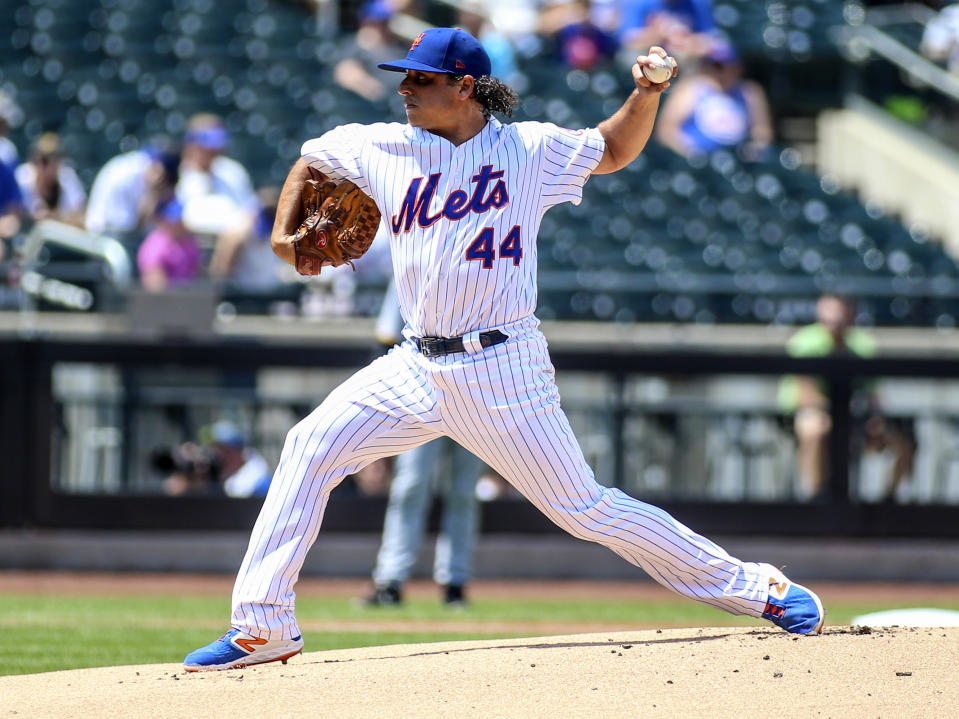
(170, 255)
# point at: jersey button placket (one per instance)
(441, 259)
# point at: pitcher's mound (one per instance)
(710, 673)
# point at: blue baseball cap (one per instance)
(225, 432)
(212, 138)
(444, 49)
(172, 211)
(721, 51)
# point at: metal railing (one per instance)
(858, 42)
(32, 417)
(56, 283)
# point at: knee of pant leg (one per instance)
(296, 445)
(588, 520)
(298, 434)
(303, 456)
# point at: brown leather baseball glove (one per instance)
(340, 222)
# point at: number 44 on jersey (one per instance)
(483, 248)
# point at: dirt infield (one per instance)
(715, 673)
(583, 670)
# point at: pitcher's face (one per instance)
(429, 99)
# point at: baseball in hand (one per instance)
(661, 71)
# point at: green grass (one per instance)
(48, 633)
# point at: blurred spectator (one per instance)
(11, 206)
(580, 43)
(170, 255)
(474, 19)
(411, 496)
(9, 155)
(243, 470)
(517, 19)
(127, 191)
(372, 44)
(242, 256)
(682, 27)
(833, 333)
(216, 191)
(605, 14)
(940, 38)
(50, 187)
(188, 470)
(223, 463)
(717, 109)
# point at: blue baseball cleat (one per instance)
(792, 606)
(237, 649)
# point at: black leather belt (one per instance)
(436, 346)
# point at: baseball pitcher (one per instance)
(462, 196)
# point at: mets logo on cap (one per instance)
(444, 49)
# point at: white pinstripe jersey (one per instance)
(462, 220)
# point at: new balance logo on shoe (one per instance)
(778, 589)
(237, 649)
(249, 644)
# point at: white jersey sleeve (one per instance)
(569, 157)
(339, 153)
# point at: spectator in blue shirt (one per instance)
(683, 27)
(717, 108)
(10, 196)
(11, 205)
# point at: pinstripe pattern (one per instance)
(500, 403)
(441, 294)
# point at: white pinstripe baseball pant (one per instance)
(502, 404)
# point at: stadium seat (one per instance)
(669, 238)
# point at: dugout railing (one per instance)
(31, 442)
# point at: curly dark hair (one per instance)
(493, 95)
